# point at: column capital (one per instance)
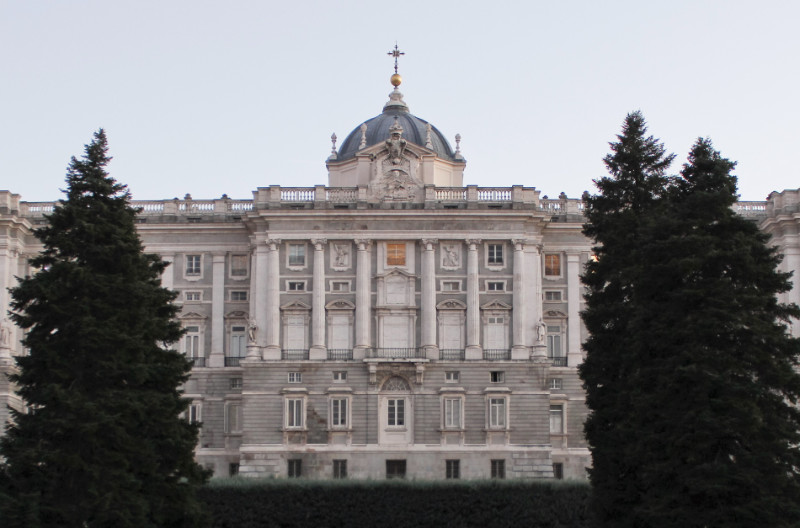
(363, 244)
(519, 243)
(428, 243)
(319, 243)
(473, 243)
(272, 243)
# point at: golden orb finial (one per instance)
(396, 80)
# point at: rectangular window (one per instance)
(396, 254)
(451, 286)
(191, 342)
(297, 255)
(556, 419)
(452, 413)
(295, 468)
(556, 383)
(497, 376)
(452, 469)
(452, 376)
(238, 342)
(497, 413)
(233, 418)
(192, 296)
(339, 469)
(554, 341)
(296, 286)
(236, 383)
(233, 469)
(294, 413)
(193, 413)
(552, 296)
(495, 254)
(552, 264)
(339, 412)
(498, 469)
(495, 286)
(397, 408)
(395, 469)
(192, 265)
(340, 375)
(340, 286)
(238, 296)
(295, 377)
(239, 265)
(558, 470)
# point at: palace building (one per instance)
(392, 323)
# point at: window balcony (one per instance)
(452, 354)
(558, 361)
(232, 361)
(396, 353)
(496, 354)
(294, 354)
(197, 361)
(344, 354)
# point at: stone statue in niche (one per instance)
(341, 257)
(450, 256)
(252, 331)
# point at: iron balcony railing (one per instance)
(294, 354)
(558, 361)
(232, 361)
(496, 354)
(452, 354)
(197, 361)
(344, 354)
(396, 353)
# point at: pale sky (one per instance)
(213, 97)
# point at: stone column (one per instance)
(534, 308)
(258, 302)
(474, 349)
(272, 323)
(428, 304)
(574, 289)
(6, 329)
(217, 356)
(519, 349)
(791, 259)
(318, 350)
(363, 298)
(168, 275)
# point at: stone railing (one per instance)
(277, 197)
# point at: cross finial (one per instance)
(396, 54)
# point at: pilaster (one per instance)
(272, 350)
(473, 350)
(428, 329)
(217, 356)
(363, 298)
(318, 350)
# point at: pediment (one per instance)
(236, 314)
(397, 272)
(296, 306)
(496, 305)
(192, 315)
(451, 304)
(340, 304)
(555, 313)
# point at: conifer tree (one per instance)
(690, 371)
(101, 443)
(635, 187)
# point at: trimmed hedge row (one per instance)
(247, 503)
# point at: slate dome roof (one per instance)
(414, 131)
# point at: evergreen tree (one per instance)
(636, 186)
(102, 443)
(690, 371)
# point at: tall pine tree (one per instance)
(637, 183)
(693, 417)
(102, 443)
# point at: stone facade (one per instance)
(394, 323)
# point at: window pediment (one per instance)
(496, 305)
(555, 313)
(451, 304)
(238, 314)
(296, 306)
(340, 304)
(192, 315)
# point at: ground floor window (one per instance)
(452, 469)
(498, 469)
(339, 469)
(558, 470)
(233, 469)
(295, 468)
(395, 469)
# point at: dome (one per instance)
(414, 131)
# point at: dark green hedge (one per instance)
(242, 503)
